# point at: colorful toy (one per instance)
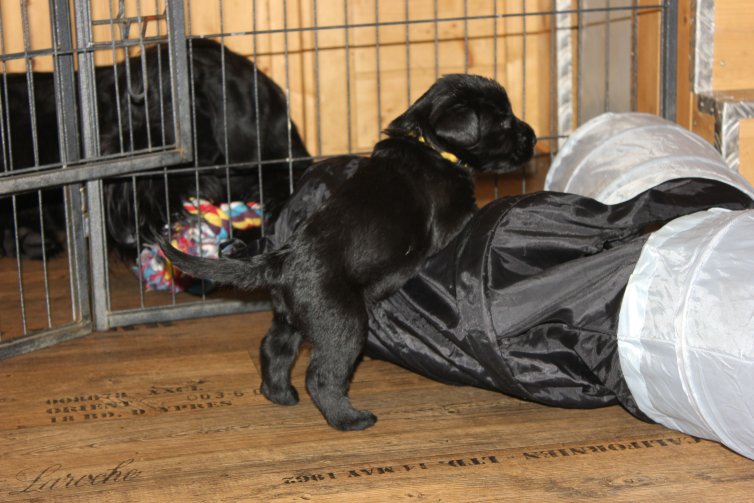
(201, 233)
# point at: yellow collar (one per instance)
(448, 156)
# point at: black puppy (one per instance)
(412, 196)
(240, 104)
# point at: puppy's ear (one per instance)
(457, 125)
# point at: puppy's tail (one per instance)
(257, 272)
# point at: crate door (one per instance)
(76, 78)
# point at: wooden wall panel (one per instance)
(351, 72)
(38, 36)
(746, 149)
(393, 64)
(733, 39)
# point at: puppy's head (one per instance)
(471, 117)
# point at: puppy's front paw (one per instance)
(281, 396)
(356, 420)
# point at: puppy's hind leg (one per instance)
(337, 337)
(278, 352)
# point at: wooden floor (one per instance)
(172, 413)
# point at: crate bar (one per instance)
(127, 72)
(30, 80)
(5, 137)
(465, 36)
(144, 76)
(479, 17)
(257, 126)
(128, 20)
(135, 202)
(634, 57)
(318, 104)
(159, 76)
(35, 143)
(68, 132)
(496, 177)
(606, 62)
(224, 86)
(553, 129)
(564, 58)
(183, 151)
(105, 45)
(24, 7)
(107, 166)
(179, 78)
(523, 84)
(408, 54)
(347, 49)
(378, 69)
(163, 138)
(116, 83)
(437, 38)
(185, 311)
(144, 96)
(289, 121)
(494, 50)
(94, 46)
(19, 269)
(93, 170)
(98, 247)
(579, 62)
(669, 57)
(41, 340)
(194, 170)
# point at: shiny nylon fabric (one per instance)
(526, 299)
(686, 331)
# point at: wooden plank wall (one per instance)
(13, 39)
(734, 34)
(347, 69)
(38, 36)
(731, 70)
(340, 69)
(350, 71)
(746, 149)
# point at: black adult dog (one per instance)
(228, 114)
(407, 202)
(20, 219)
(130, 118)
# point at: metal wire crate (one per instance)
(345, 70)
